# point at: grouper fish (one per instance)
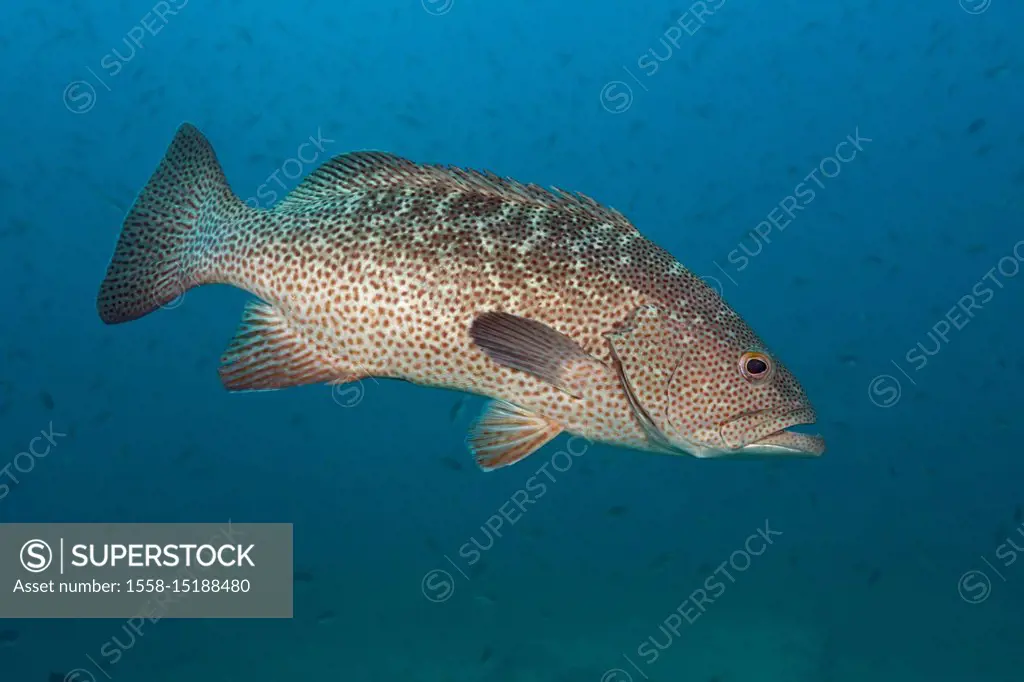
(547, 302)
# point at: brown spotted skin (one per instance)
(376, 266)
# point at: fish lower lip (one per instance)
(792, 442)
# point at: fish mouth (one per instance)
(767, 432)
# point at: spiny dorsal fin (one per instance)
(361, 171)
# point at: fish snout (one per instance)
(767, 432)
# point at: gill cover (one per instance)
(647, 351)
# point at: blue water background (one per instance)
(886, 542)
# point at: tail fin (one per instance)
(153, 262)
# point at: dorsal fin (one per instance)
(361, 171)
(353, 172)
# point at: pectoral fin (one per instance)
(507, 433)
(529, 346)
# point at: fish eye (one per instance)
(755, 367)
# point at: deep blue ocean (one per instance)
(847, 174)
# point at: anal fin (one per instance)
(268, 353)
(507, 433)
